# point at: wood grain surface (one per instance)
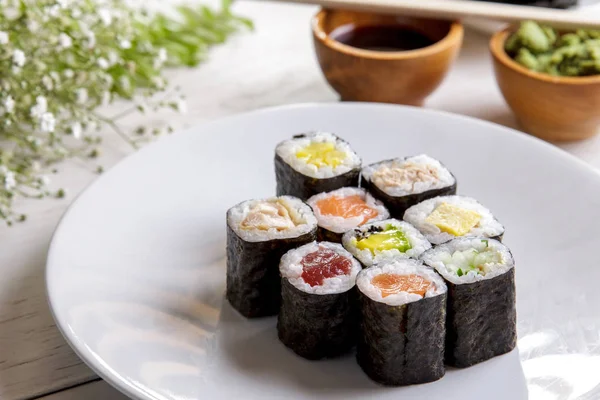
(274, 65)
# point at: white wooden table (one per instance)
(273, 65)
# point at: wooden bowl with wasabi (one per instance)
(550, 79)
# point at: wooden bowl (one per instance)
(403, 77)
(550, 107)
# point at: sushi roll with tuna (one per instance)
(446, 217)
(385, 240)
(482, 317)
(259, 232)
(403, 182)
(318, 300)
(344, 209)
(401, 335)
(313, 163)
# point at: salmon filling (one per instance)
(322, 264)
(268, 215)
(390, 284)
(402, 174)
(347, 207)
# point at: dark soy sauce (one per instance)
(381, 37)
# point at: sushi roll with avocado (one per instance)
(403, 182)
(446, 217)
(313, 163)
(344, 209)
(482, 316)
(318, 300)
(259, 232)
(385, 240)
(402, 329)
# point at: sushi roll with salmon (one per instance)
(482, 317)
(385, 240)
(318, 300)
(344, 209)
(402, 329)
(446, 217)
(259, 232)
(403, 182)
(313, 163)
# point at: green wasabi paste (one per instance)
(543, 49)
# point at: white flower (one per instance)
(105, 98)
(9, 180)
(76, 13)
(124, 82)
(65, 41)
(3, 37)
(54, 11)
(54, 75)
(11, 13)
(105, 16)
(113, 57)
(102, 63)
(47, 82)
(181, 106)
(32, 25)
(76, 130)
(40, 108)
(82, 95)
(91, 39)
(18, 58)
(68, 73)
(9, 104)
(162, 54)
(125, 44)
(47, 122)
(62, 3)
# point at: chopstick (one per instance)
(458, 9)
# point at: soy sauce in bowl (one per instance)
(381, 37)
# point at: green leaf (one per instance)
(459, 272)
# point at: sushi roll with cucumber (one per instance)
(385, 240)
(402, 329)
(259, 232)
(318, 300)
(313, 163)
(344, 209)
(446, 217)
(482, 317)
(403, 182)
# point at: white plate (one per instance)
(136, 272)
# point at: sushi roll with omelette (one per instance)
(480, 276)
(344, 209)
(318, 300)
(259, 232)
(313, 163)
(444, 218)
(385, 240)
(402, 307)
(403, 182)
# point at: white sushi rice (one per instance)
(399, 267)
(291, 268)
(418, 243)
(299, 211)
(488, 226)
(444, 176)
(447, 258)
(338, 224)
(287, 151)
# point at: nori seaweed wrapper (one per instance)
(325, 235)
(253, 282)
(398, 204)
(482, 320)
(402, 345)
(317, 326)
(560, 4)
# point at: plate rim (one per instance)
(87, 356)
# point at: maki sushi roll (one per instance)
(344, 209)
(443, 218)
(482, 316)
(318, 300)
(401, 335)
(259, 232)
(403, 182)
(313, 163)
(385, 240)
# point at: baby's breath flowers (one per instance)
(62, 59)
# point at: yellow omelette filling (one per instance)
(321, 154)
(402, 174)
(268, 215)
(453, 219)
